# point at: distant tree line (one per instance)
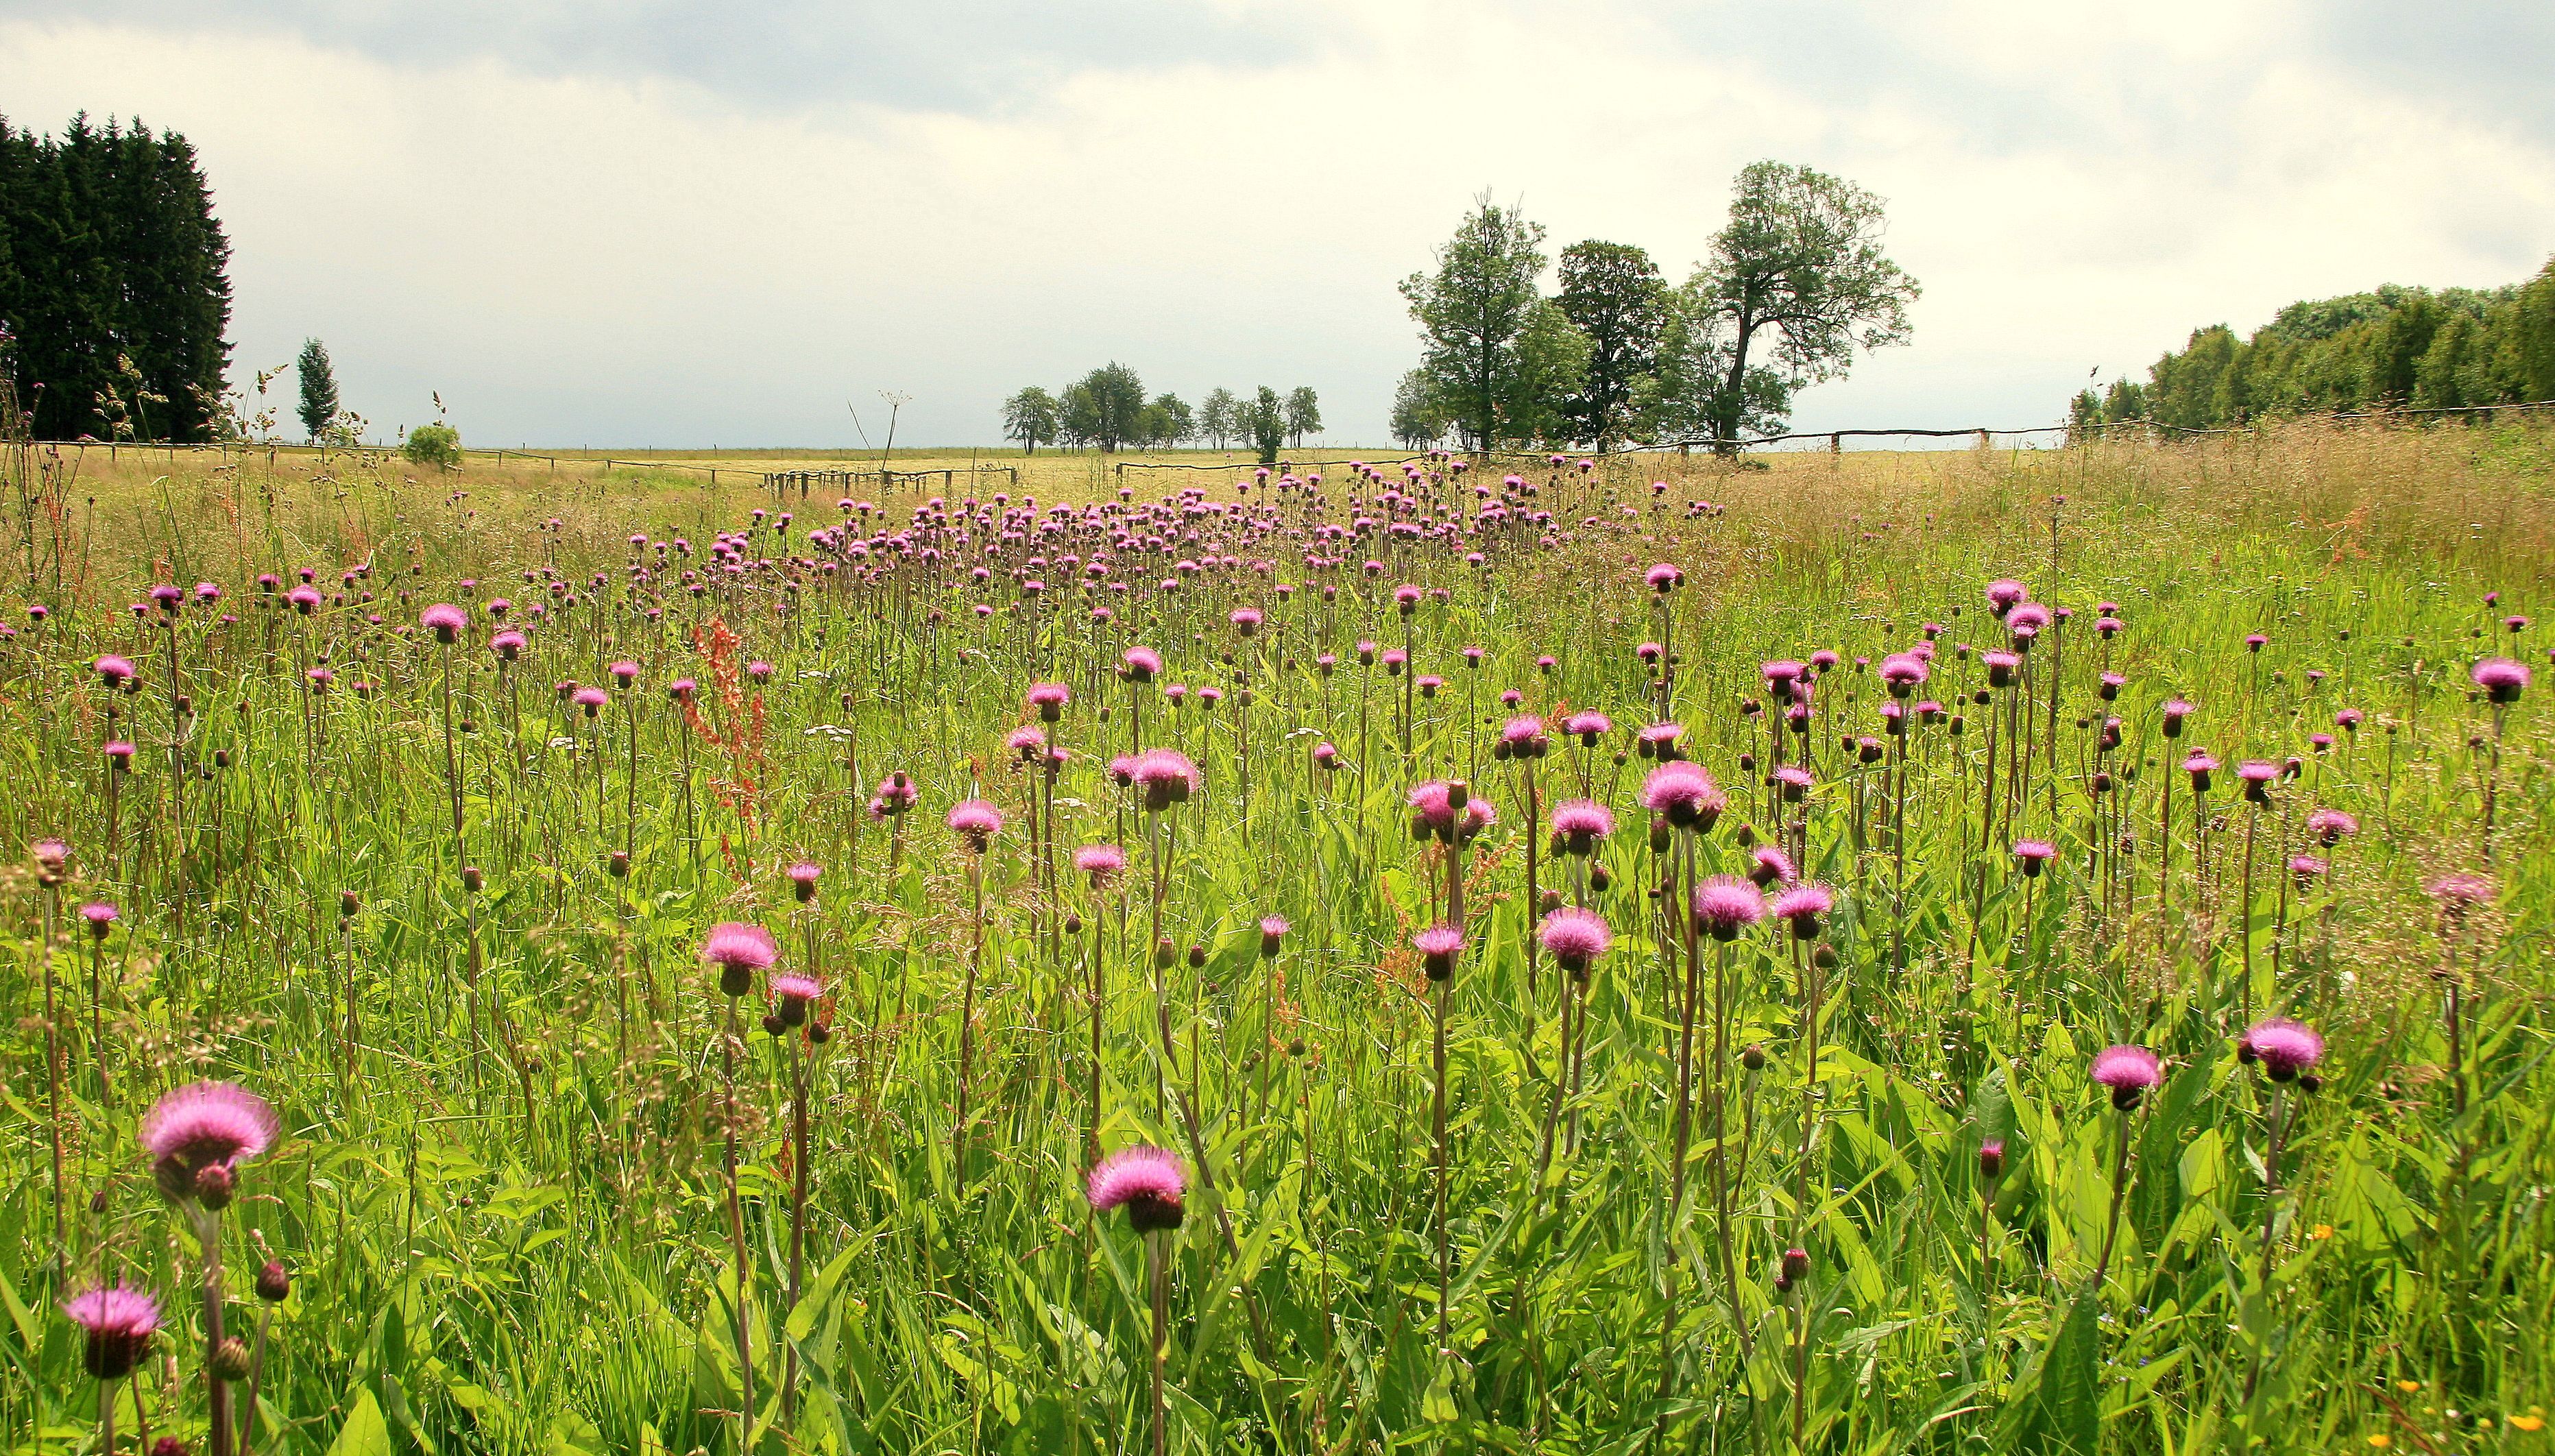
(1108, 409)
(1791, 288)
(114, 287)
(2396, 348)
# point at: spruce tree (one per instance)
(319, 388)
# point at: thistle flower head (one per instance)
(1904, 673)
(1588, 726)
(2502, 679)
(975, 822)
(2284, 1047)
(1438, 945)
(1099, 861)
(117, 1324)
(1803, 905)
(1664, 578)
(2331, 825)
(738, 950)
(1581, 822)
(792, 994)
(2003, 592)
(1148, 1182)
(2034, 855)
(1523, 736)
(198, 1134)
(112, 669)
(446, 621)
(1683, 793)
(1770, 866)
(1168, 778)
(2129, 1072)
(1575, 937)
(1725, 905)
(2460, 892)
(1140, 664)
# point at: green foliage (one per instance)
(438, 445)
(318, 406)
(1611, 292)
(1116, 406)
(1795, 285)
(1032, 418)
(1220, 417)
(1474, 314)
(1419, 417)
(2395, 347)
(1303, 414)
(1169, 421)
(1265, 424)
(114, 286)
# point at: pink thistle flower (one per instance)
(117, 1324)
(2284, 1047)
(2003, 592)
(1580, 823)
(508, 644)
(1803, 905)
(198, 1134)
(1770, 866)
(1272, 934)
(1140, 664)
(2460, 892)
(1167, 776)
(1575, 937)
(1025, 740)
(802, 877)
(1523, 737)
(1725, 905)
(1588, 726)
(2307, 868)
(2034, 855)
(1903, 673)
(1099, 861)
(112, 669)
(445, 620)
(1683, 793)
(792, 994)
(975, 822)
(1438, 945)
(1663, 577)
(2331, 825)
(2502, 679)
(1148, 1182)
(1049, 698)
(2129, 1072)
(101, 916)
(738, 950)
(1657, 740)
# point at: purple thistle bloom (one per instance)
(1580, 823)
(738, 950)
(1140, 664)
(2003, 592)
(1725, 905)
(2034, 855)
(2502, 679)
(1438, 945)
(1802, 905)
(100, 916)
(1770, 866)
(792, 994)
(2331, 825)
(445, 620)
(1027, 741)
(1575, 937)
(2129, 1072)
(1167, 777)
(1099, 861)
(976, 822)
(1663, 577)
(198, 1134)
(2458, 893)
(1148, 1182)
(1522, 736)
(117, 1324)
(2306, 866)
(1904, 673)
(113, 669)
(2284, 1047)
(1685, 794)
(1588, 726)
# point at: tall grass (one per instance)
(499, 1059)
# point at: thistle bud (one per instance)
(274, 1282)
(229, 1360)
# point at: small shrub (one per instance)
(439, 446)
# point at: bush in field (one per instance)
(439, 446)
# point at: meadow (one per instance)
(1996, 950)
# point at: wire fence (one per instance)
(806, 481)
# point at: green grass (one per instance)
(502, 1194)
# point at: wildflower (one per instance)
(2502, 679)
(1991, 1159)
(2456, 894)
(1664, 578)
(2129, 1072)
(1575, 937)
(117, 1324)
(1167, 777)
(1770, 866)
(2331, 825)
(976, 822)
(1903, 673)
(738, 950)
(1448, 811)
(1146, 1182)
(445, 621)
(1579, 823)
(2284, 1047)
(1725, 906)
(792, 994)
(2003, 593)
(1521, 738)
(1588, 727)
(2257, 776)
(198, 1134)
(2033, 855)
(100, 916)
(1049, 698)
(1027, 741)
(1273, 935)
(1438, 945)
(2199, 766)
(1140, 664)
(112, 669)
(802, 877)
(1099, 861)
(1802, 905)
(1659, 740)
(1685, 794)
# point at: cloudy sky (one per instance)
(634, 222)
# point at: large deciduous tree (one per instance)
(1030, 417)
(1303, 414)
(1220, 417)
(1268, 424)
(1611, 292)
(1796, 282)
(1418, 418)
(1474, 313)
(1117, 405)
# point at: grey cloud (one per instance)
(959, 55)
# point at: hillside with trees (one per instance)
(1108, 409)
(114, 290)
(2395, 347)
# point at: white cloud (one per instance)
(573, 256)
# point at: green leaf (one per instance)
(365, 1433)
